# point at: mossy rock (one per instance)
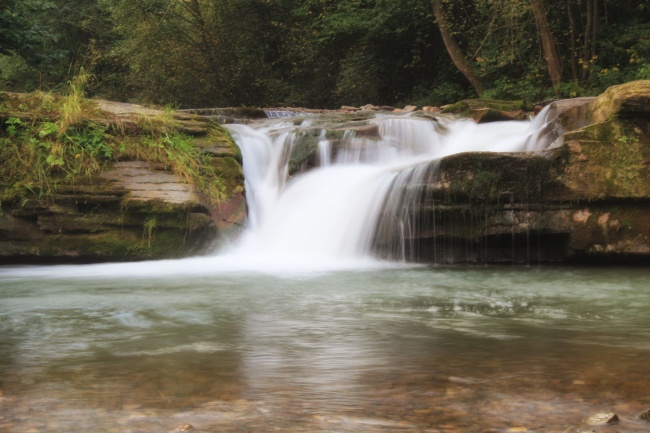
(608, 159)
(231, 173)
(466, 106)
(629, 100)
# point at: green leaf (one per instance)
(47, 128)
(54, 161)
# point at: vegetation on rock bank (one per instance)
(90, 180)
(47, 140)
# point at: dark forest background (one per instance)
(324, 53)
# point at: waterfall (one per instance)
(357, 188)
(323, 194)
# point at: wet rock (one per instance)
(604, 418)
(628, 100)
(183, 428)
(585, 199)
(367, 131)
(645, 415)
(238, 113)
(488, 110)
(487, 115)
(409, 109)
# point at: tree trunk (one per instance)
(456, 54)
(551, 55)
(594, 28)
(590, 36)
(574, 52)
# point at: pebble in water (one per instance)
(645, 415)
(602, 419)
(183, 427)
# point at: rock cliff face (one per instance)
(132, 209)
(587, 199)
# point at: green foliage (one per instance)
(317, 53)
(49, 38)
(525, 89)
(149, 226)
(643, 73)
(36, 158)
(38, 153)
(441, 93)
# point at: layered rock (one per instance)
(586, 199)
(131, 209)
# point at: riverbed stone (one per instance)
(604, 418)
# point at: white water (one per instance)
(325, 218)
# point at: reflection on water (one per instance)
(422, 350)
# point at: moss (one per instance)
(231, 174)
(124, 244)
(153, 241)
(609, 158)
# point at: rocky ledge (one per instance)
(130, 209)
(584, 200)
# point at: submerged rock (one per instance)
(603, 419)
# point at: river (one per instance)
(449, 349)
(298, 328)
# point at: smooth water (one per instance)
(399, 349)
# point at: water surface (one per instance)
(397, 349)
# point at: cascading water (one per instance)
(319, 197)
(361, 186)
